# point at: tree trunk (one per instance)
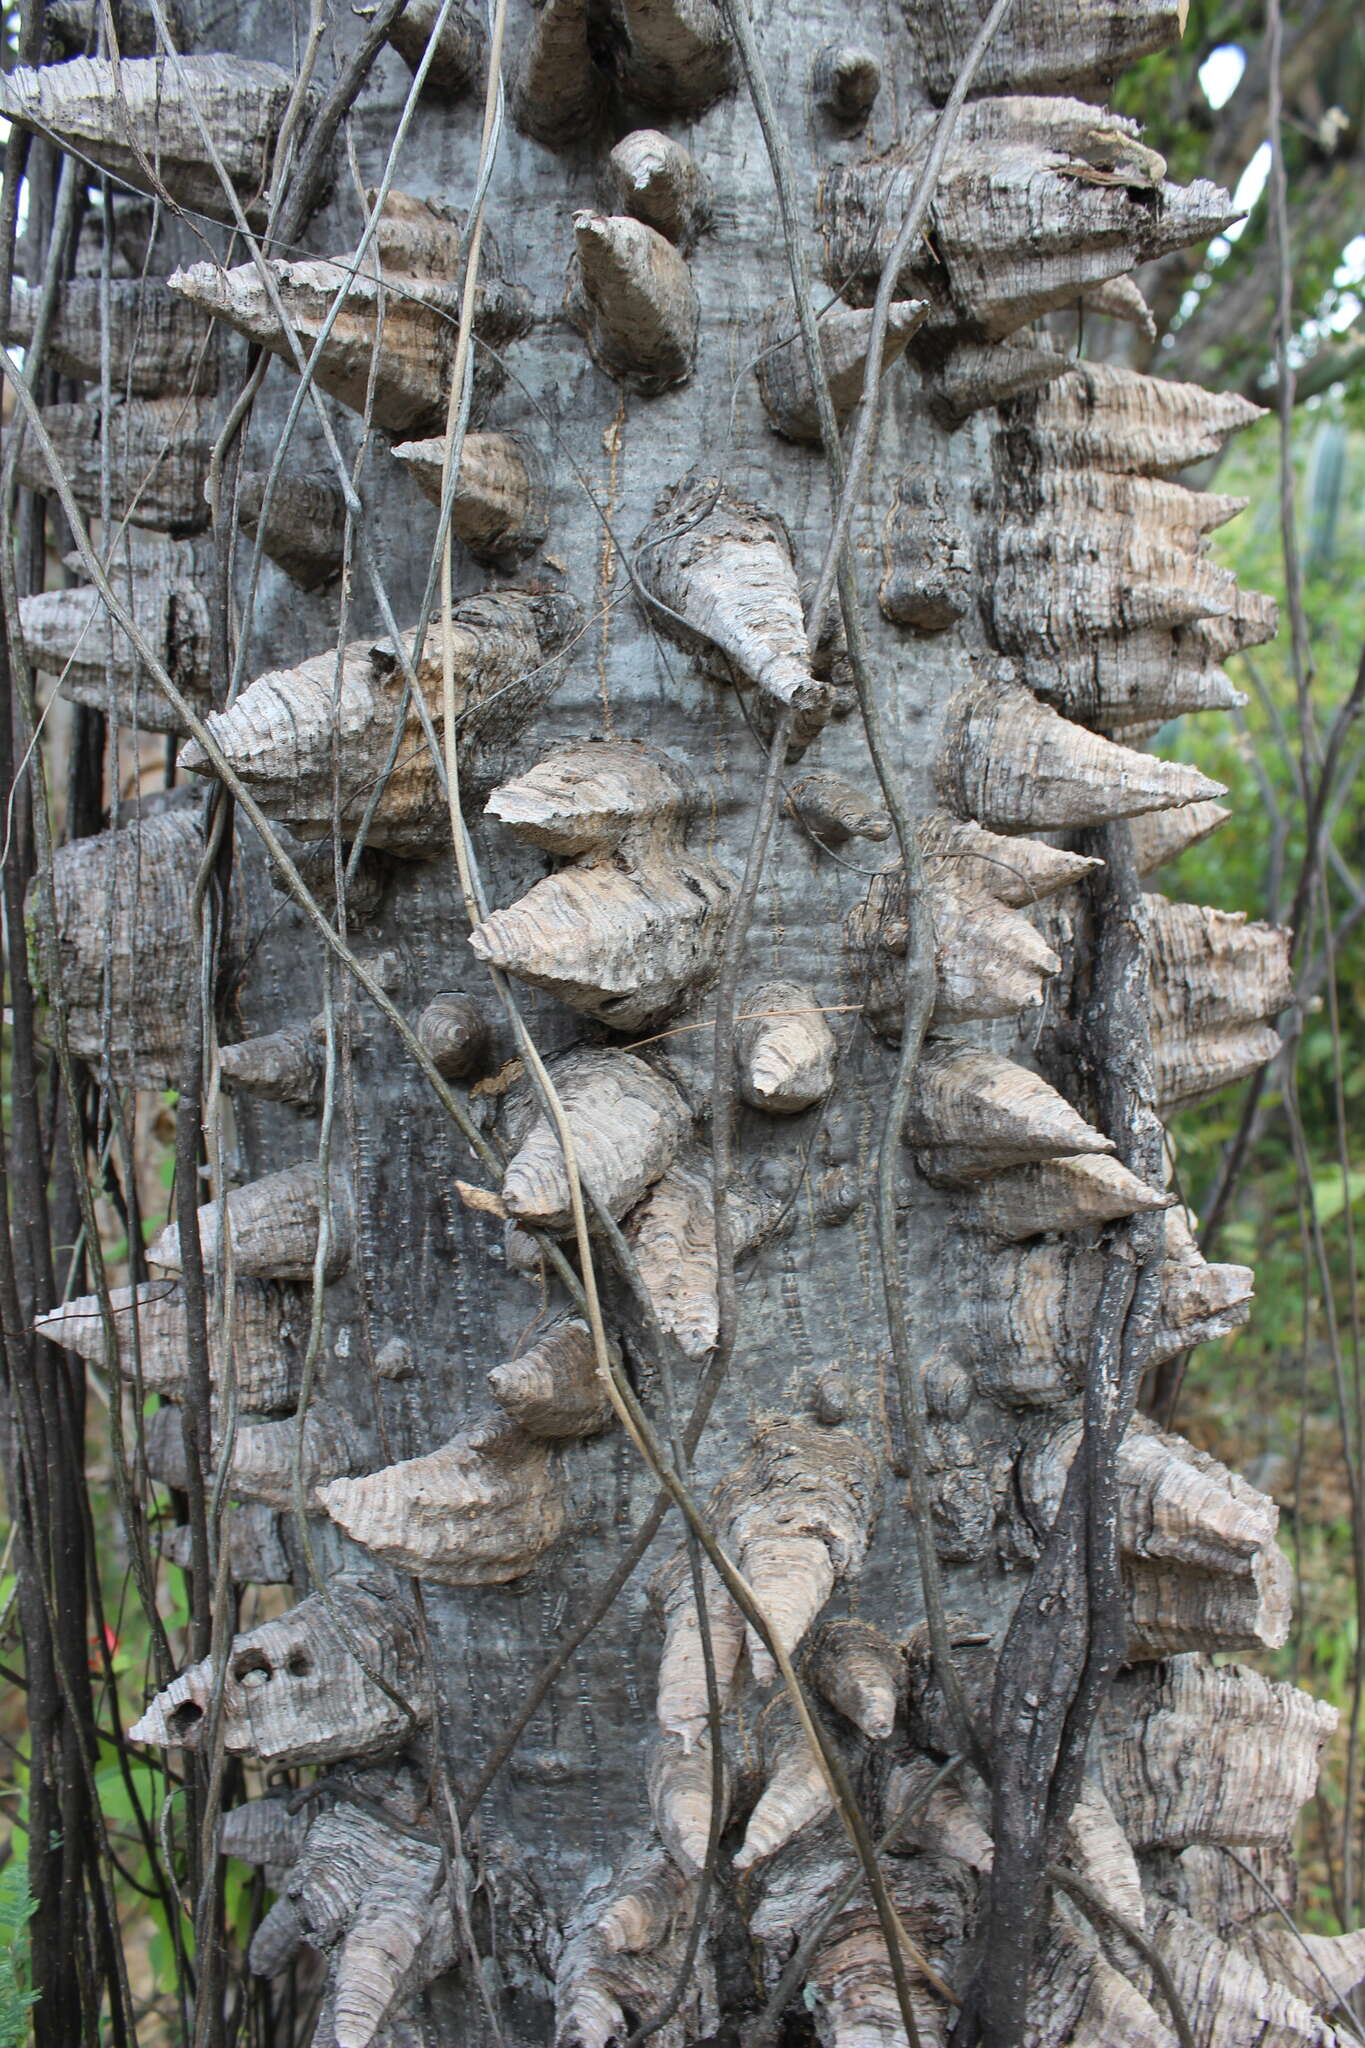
(830, 934)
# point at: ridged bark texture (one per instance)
(640, 516)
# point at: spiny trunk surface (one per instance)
(641, 512)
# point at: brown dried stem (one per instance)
(1099, 1910)
(919, 951)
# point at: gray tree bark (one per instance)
(930, 1537)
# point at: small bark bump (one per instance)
(501, 506)
(929, 574)
(552, 1388)
(785, 1050)
(845, 81)
(835, 810)
(631, 295)
(454, 1031)
(719, 575)
(274, 1224)
(478, 1511)
(653, 177)
(860, 1673)
(295, 1690)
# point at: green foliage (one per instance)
(1222, 333)
(1163, 90)
(1271, 1393)
(17, 1907)
(1252, 867)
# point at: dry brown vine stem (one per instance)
(286, 329)
(637, 1429)
(344, 91)
(309, 905)
(848, 483)
(457, 414)
(223, 768)
(1097, 1907)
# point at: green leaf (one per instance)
(1330, 1192)
(17, 1907)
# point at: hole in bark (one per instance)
(298, 1664)
(253, 1667)
(184, 1719)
